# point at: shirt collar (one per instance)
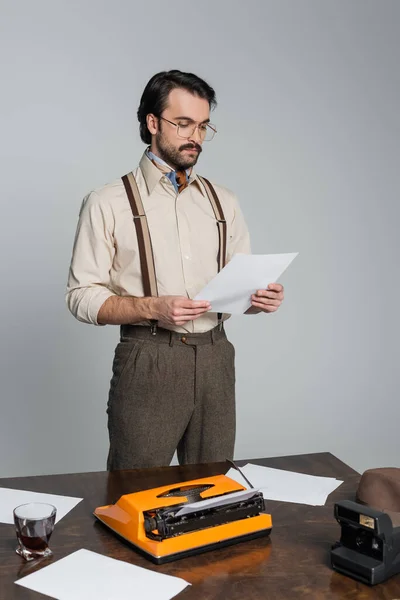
(157, 159)
(152, 175)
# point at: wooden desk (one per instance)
(293, 564)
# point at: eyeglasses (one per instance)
(187, 130)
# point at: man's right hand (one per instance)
(178, 310)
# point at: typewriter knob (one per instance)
(150, 524)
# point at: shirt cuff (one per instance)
(86, 303)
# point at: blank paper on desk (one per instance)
(286, 486)
(230, 291)
(10, 498)
(86, 575)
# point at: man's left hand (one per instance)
(268, 300)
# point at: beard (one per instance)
(174, 157)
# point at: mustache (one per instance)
(191, 147)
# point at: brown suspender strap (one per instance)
(221, 223)
(220, 218)
(143, 236)
(146, 254)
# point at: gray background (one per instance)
(308, 138)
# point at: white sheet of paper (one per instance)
(85, 574)
(230, 291)
(277, 484)
(10, 499)
(215, 502)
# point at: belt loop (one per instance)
(171, 338)
(153, 328)
(212, 336)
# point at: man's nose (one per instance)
(195, 137)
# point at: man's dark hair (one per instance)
(155, 96)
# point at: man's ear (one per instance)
(152, 123)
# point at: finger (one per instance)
(268, 294)
(188, 312)
(264, 307)
(195, 311)
(187, 303)
(266, 301)
(276, 287)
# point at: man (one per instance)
(145, 245)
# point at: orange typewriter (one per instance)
(168, 523)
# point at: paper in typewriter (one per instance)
(217, 502)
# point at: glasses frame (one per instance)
(196, 126)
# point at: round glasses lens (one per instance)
(186, 131)
(209, 134)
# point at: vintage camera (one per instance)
(369, 546)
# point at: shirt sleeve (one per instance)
(238, 234)
(88, 284)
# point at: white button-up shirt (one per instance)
(184, 235)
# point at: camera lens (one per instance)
(360, 539)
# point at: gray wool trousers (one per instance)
(171, 391)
